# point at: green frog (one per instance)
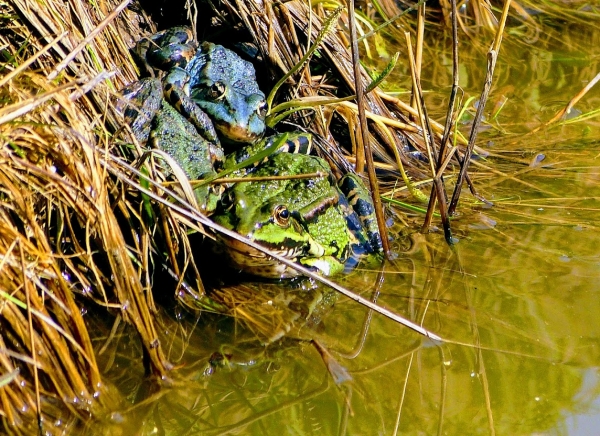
(307, 219)
(201, 88)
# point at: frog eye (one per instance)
(216, 91)
(281, 215)
(262, 109)
(227, 200)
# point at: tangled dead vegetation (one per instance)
(61, 239)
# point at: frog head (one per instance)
(274, 227)
(224, 86)
(237, 117)
(298, 218)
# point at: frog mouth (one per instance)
(236, 133)
(252, 261)
(292, 252)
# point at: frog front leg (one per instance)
(173, 134)
(175, 90)
(327, 265)
(139, 104)
(360, 213)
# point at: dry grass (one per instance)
(60, 234)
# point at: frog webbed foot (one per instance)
(174, 89)
(139, 104)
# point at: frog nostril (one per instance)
(262, 109)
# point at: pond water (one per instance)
(516, 301)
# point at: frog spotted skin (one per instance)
(225, 88)
(211, 78)
(153, 120)
(301, 219)
(141, 101)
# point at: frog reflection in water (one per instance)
(307, 220)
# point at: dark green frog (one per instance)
(201, 88)
(305, 219)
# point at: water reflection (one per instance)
(521, 355)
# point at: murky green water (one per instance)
(517, 301)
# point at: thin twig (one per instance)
(492, 57)
(364, 130)
(419, 49)
(438, 189)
